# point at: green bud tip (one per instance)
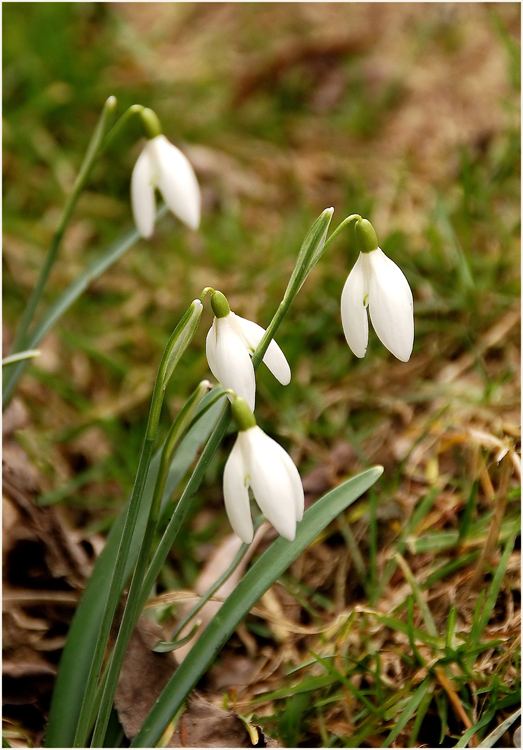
(219, 304)
(243, 416)
(151, 123)
(366, 239)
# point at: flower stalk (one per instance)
(91, 155)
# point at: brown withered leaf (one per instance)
(45, 566)
(144, 675)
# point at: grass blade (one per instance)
(420, 600)
(410, 708)
(499, 731)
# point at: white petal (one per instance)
(270, 482)
(274, 358)
(390, 305)
(177, 181)
(210, 349)
(354, 307)
(229, 360)
(236, 495)
(295, 480)
(142, 194)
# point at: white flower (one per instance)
(231, 341)
(377, 282)
(258, 462)
(161, 165)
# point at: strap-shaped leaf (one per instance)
(83, 633)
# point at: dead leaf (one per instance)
(144, 675)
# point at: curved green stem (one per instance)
(344, 223)
(310, 252)
(119, 125)
(90, 157)
(205, 292)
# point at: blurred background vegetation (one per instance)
(405, 113)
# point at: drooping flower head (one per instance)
(378, 283)
(231, 342)
(259, 463)
(162, 166)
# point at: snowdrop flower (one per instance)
(258, 462)
(161, 165)
(378, 283)
(231, 342)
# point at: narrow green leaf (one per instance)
(420, 714)
(267, 569)
(310, 683)
(347, 683)
(310, 251)
(83, 633)
(418, 595)
(137, 500)
(134, 603)
(68, 297)
(410, 625)
(421, 511)
(165, 647)
(465, 738)
(212, 590)
(499, 731)
(497, 581)
(395, 624)
(312, 244)
(450, 638)
(466, 519)
(372, 725)
(442, 708)
(20, 356)
(475, 632)
(410, 708)
(449, 567)
(91, 155)
(185, 330)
